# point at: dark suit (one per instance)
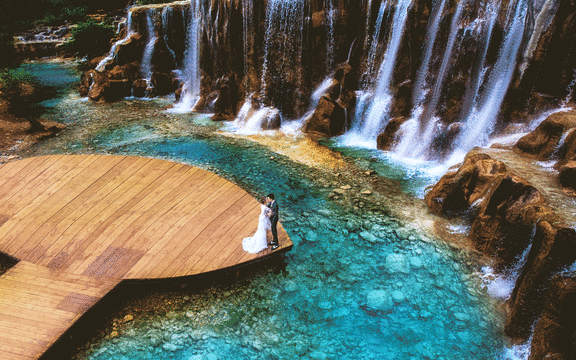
(274, 221)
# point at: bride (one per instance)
(258, 241)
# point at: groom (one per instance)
(273, 205)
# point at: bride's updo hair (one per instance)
(263, 200)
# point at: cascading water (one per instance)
(146, 64)
(129, 32)
(371, 44)
(420, 84)
(191, 75)
(283, 46)
(478, 71)
(282, 61)
(167, 19)
(248, 37)
(375, 118)
(483, 116)
(330, 13)
(416, 134)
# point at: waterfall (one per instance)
(248, 37)
(478, 70)
(418, 132)
(420, 84)
(570, 92)
(167, 16)
(330, 14)
(146, 64)
(483, 116)
(371, 44)
(283, 45)
(376, 115)
(129, 32)
(191, 75)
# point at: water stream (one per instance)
(363, 281)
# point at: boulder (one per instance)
(162, 83)
(459, 189)
(568, 175)
(552, 250)
(386, 140)
(544, 140)
(555, 333)
(92, 64)
(444, 142)
(131, 50)
(97, 83)
(567, 151)
(506, 218)
(328, 119)
(139, 88)
(227, 99)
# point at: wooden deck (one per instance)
(97, 220)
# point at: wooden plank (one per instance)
(54, 199)
(199, 209)
(225, 244)
(46, 233)
(205, 239)
(158, 235)
(131, 224)
(138, 187)
(132, 210)
(78, 236)
(19, 180)
(166, 212)
(25, 215)
(64, 234)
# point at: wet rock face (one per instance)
(386, 140)
(328, 118)
(552, 250)
(544, 140)
(555, 333)
(460, 189)
(568, 175)
(508, 215)
(506, 218)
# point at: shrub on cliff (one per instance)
(90, 39)
(23, 95)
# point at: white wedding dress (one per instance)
(258, 241)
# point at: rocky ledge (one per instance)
(510, 217)
(554, 140)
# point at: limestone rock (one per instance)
(506, 218)
(552, 250)
(386, 140)
(543, 141)
(328, 119)
(139, 88)
(458, 190)
(131, 50)
(555, 333)
(568, 175)
(162, 83)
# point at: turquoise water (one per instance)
(358, 284)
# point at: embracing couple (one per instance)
(268, 220)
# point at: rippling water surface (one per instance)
(358, 284)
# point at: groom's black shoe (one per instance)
(274, 246)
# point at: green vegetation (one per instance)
(23, 95)
(90, 39)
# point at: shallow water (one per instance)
(359, 283)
